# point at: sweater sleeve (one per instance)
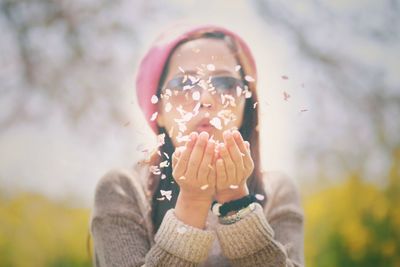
(120, 236)
(278, 241)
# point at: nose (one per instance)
(207, 99)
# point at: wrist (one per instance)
(192, 211)
(194, 200)
(232, 194)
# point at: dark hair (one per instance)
(248, 129)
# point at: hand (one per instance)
(192, 168)
(234, 165)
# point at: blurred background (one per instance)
(329, 82)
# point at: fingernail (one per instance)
(193, 136)
(236, 134)
(203, 136)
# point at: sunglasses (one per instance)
(216, 85)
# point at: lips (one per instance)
(204, 125)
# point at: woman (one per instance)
(201, 200)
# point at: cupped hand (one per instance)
(204, 170)
(234, 166)
(192, 168)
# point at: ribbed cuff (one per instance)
(182, 240)
(247, 236)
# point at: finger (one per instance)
(212, 175)
(181, 164)
(230, 168)
(204, 168)
(174, 159)
(197, 155)
(247, 145)
(234, 152)
(175, 156)
(244, 147)
(220, 173)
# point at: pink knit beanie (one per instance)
(152, 64)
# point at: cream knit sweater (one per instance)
(121, 228)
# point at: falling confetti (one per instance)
(196, 109)
(238, 90)
(249, 78)
(154, 99)
(168, 92)
(285, 96)
(259, 197)
(247, 94)
(211, 67)
(160, 198)
(163, 176)
(127, 123)
(216, 122)
(166, 194)
(204, 187)
(182, 178)
(154, 116)
(181, 229)
(193, 79)
(303, 110)
(255, 105)
(168, 107)
(140, 147)
(227, 116)
(155, 170)
(164, 164)
(238, 67)
(285, 77)
(160, 139)
(180, 69)
(233, 186)
(166, 155)
(196, 96)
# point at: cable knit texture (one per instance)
(121, 228)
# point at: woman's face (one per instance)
(203, 91)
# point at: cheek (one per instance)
(238, 114)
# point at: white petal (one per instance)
(259, 196)
(154, 99)
(196, 96)
(204, 187)
(154, 116)
(238, 91)
(216, 122)
(168, 107)
(249, 78)
(181, 229)
(211, 67)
